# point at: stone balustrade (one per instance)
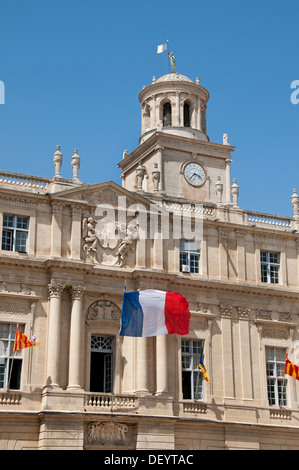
(110, 402)
(20, 181)
(268, 220)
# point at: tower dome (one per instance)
(174, 104)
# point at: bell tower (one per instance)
(175, 105)
(175, 159)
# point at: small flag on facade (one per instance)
(22, 342)
(202, 367)
(162, 48)
(153, 312)
(291, 369)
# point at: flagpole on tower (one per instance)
(168, 57)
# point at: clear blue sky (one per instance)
(73, 71)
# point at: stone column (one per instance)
(142, 366)
(161, 365)
(76, 338)
(76, 235)
(56, 229)
(53, 356)
(177, 121)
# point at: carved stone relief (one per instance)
(103, 309)
(111, 434)
(112, 243)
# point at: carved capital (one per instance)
(55, 289)
(57, 207)
(77, 292)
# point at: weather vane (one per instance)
(171, 58)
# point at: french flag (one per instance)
(154, 312)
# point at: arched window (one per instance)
(101, 379)
(167, 114)
(186, 115)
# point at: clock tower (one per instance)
(175, 158)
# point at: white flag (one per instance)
(162, 48)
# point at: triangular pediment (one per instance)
(107, 192)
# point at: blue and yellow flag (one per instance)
(202, 368)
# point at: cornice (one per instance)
(144, 149)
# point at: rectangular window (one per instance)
(101, 364)
(276, 381)
(10, 362)
(15, 233)
(189, 256)
(192, 378)
(270, 267)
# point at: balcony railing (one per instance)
(10, 398)
(110, 402)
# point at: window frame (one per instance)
(196, 385)
(15, 233)
(270, 270)
(192, 257)
(10, 358)
(277, 384)
(105, 352)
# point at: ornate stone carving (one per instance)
(225, 139)
(156, 177)
(264, 315)
(75, 165)
(140, 171)
(127, 244)
(77, 292)
(275, 333)
(55, 289)
(235, 192)
(243, 312)
(120, 246)
(295, 203)
(15, 308)
(285, 316)
(103, 309)
(91, 241)
(57, 207)
(57, 162)
(106, 433)
(219, 190)
(225, 310)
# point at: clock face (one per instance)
(194, 173)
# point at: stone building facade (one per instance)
(68, 248)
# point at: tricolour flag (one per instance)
(291, 369)
(202, 367)
(22, 342)
(154, 312)
(162, 48)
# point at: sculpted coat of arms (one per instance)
(109, 243)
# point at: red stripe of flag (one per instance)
(177, 315)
